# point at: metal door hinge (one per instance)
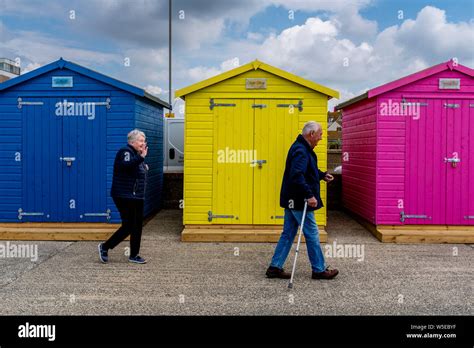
(259, 106)
(414, 104)
(21, 103)
(404, 216)
(452, 106)
(299, 105)
(469, 217)
(407, 103)
(210, 216)
(277, 217)
(212, 105)
(107, 214)
(21, 213)
(106, 103)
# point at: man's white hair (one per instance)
(311, 126)
(134, 134)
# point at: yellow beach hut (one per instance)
(239, 126)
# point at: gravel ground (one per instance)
(219, 279)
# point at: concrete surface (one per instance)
(218, 279)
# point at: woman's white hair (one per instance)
(134, 134)
(311, 126)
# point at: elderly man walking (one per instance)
(301, 181)
(128, 193)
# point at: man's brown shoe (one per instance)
(275, 272)
(327, 274)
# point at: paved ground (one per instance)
(209, 278)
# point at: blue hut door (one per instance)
(41, 173)
(83, 159)
(64, 172)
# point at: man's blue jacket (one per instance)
(301, 178)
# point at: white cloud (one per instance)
(196, 37)
(319, 49)
(316, 49)
(30, 67)
(201, 72)
(156, 90)
(344, 94)
(254, 36)
(427, 40)
(230, 64)
(147, 66)
(431, 33)
(320, 5)
(145, 23)
(353, 26)
(36, 48)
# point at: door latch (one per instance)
(258, 163)
(453, 160)
(68, 160)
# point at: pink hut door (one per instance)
(460, 162)
(425, 174)
(467, 182)
(438, 189)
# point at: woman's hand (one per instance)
(144, 152)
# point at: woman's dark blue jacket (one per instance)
(129, 180)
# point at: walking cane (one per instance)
(300, 228)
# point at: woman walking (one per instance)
(128, 193)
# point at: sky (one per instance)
(349, 46)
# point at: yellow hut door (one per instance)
(251, 141)
(276, 127)
(232, 170)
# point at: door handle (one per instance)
(453, 160)
(258, 162)
(68, 160)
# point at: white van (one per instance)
(173, 146)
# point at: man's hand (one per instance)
(328, 177)
(312, 202)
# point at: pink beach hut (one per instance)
(408, 157)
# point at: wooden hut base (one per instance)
(415, 234)
(57, 231)
(238, 233)
(62, 231)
